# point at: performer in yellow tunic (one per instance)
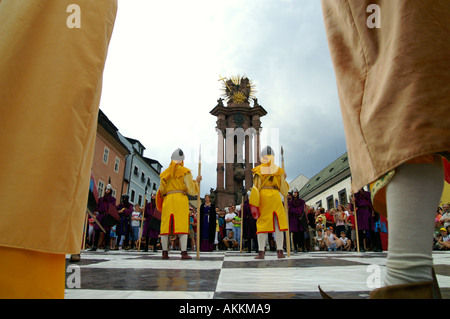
(176, 182)
(53, 54)
(269, 181)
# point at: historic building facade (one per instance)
(108, 164)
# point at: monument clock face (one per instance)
(239, 118)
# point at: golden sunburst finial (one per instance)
(238, 89)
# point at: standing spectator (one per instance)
(136, 218)
(192, 227)
(207, 224)
(311, 226)
(341, 219)
(237, 222)
(329, 218)
(351, 225)
(91, 231)
(221, 219)
(445, 219)
(229, 219)
(113, 240)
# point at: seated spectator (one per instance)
(443, 241)
(319, 241)
(230, 241)
(344, 243)
(330, 239)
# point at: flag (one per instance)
(447, 170)
(93, 194)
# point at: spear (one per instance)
(242, 219)
(142, 219)
(198, 202)
(288, 236)
(85, 231)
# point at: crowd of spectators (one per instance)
(325, 230)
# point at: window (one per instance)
(330, 202)
(105, 155)
(343, 197)
(148, 181)
(319, 203)
(140, 200)
(113, 193)
(117, 165)
(142, 177)
(133, 193)
(100, 188)
(135, 170)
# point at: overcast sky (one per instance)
(165, 59)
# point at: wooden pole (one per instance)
(198, 202)
(96, 221)
(142, 219)
(286, 209)
(242, 223)
(85, 231)
(356, 222)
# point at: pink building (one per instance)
(109, 158)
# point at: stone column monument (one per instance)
(238, 141)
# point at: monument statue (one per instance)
(238, 126)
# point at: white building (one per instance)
(298, 182)
(141, 172)
(330, 187)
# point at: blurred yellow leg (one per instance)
(27, 274)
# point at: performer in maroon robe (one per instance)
(125, 209)
(152, 223)
(364, 215)
(297, 221)
(208, 224)
(249, 224)
(101, 209)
